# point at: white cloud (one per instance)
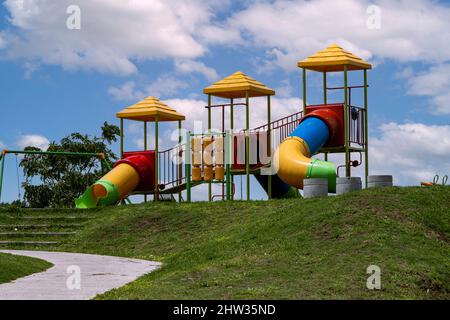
(221, 35)
(434, 83)
(163, 86)
(291, 30)
(2, 40)
(411, 152)
(33, 140)
(113, 36)
(2, 145)
(285, 90)
(138, 142)
(30, 67)
(190, 66)
(126, 92)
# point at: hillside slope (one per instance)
(282, 249)
(13, 267)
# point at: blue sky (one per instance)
(55, 81)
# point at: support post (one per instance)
(231, 137)
(304, 89)
(209, 131)
(247, 143)
(156, 193)
(269, 148)
(180, 157)
(227, 159)
(121, 138)
(187, 164)
(366, 127)
(2, 168)
(231, 113)
(346, 125)
(325, 101)
(145, 149)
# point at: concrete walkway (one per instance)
(99, 274)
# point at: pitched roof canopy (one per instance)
(148, 110)
(333, 59)
(237, 85)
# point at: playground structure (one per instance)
(278, 154)
(212, 157)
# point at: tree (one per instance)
(55, 181)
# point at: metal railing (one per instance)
(171, 171)
(280, 128)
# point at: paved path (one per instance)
(98, 275)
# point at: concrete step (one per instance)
(43, 220)
(28, 243)
(41, 226)
(55, 217)
(35, 234)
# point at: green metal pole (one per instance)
(188, 166)
(231, 113)
(209, 131)
(121, 138)
(325, 101)
(145, 136)
(366, 126)
(231, 133)
(2, 168)
(247, 143)
(180, 166)
(269, 148)
(304, 89)
(228, 165)
(145, 149)
(346, 114)
(156, 160)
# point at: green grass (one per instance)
(282, 249)
(13, 267)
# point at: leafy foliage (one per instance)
(56, 180)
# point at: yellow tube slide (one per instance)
(124, 177)
(291, 160)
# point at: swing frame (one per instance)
(100, 156)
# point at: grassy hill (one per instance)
(13, 267)
(282, 249)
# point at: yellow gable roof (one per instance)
(148, 110)
(236, 86)
(334, 58)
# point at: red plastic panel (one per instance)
(144, 163)
(333, 115)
